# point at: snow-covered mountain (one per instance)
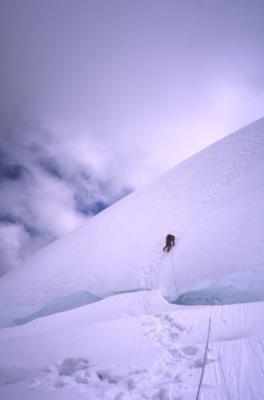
(127, 341)
(212, 202)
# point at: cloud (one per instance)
(48, 188)
(13, 239)
(98, 98)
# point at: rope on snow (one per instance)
(204, 360)
(173, 274)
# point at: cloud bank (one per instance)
(49, 185)
(99, 97)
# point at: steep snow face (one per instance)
(212, 202)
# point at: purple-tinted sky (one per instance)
(99, 97)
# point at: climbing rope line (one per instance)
(173, 274)
(158, 272)
(204, 360)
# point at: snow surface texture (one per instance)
(148, 357)
(125, 341)
(212, 202)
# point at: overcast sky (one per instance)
(99, 97)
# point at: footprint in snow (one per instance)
(189, 350)
(198, 363)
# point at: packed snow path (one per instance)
(148, 357)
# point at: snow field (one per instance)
(133, 344)
(212, 202)
(158, 355)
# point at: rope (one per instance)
(158, 272)
(173, 274)
(204, 360)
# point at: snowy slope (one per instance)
(133, 344)
(212, 202)
(149, 357)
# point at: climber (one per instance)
(170, 241)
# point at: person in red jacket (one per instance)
(170, 242)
